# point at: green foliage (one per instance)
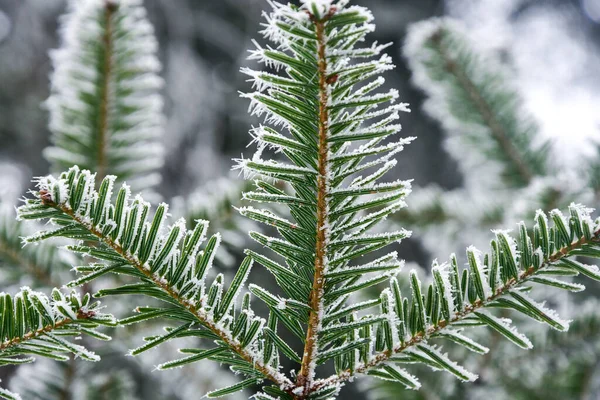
(500, 279)
(559, 366)
(339, 125)
(504, 159)
(34, 325)
(105, 110)
(168, 262)
(474, 101)
(454, 74)
(216, 202)
(320, 162)
(570, 362)
(105, 114)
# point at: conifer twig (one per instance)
(468, 311)
(235, 345)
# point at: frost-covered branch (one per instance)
(105, 110)
(471, 97)
(498, 279)
(31, 325)
(168, 261)
(310, 353)
(322, 155)
(329, 119)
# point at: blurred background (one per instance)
(550, 47)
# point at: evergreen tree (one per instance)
(329, 139)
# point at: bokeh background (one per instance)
(552, 48)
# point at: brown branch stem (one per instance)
(307, 370)
(39, 332)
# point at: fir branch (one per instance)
(33, 325)
(483, 107)
(308, 365)
(172, 263)
(526, 276)
(470, 95)
(336, 124)
(199, 313)
(40, 332)
(328, 121)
